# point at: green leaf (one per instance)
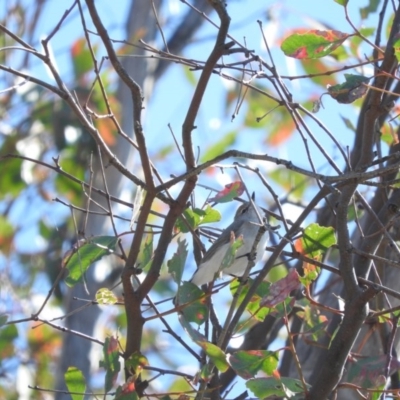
(145, 252)
(11, 183)
(192, 218)
(135, 363)
(253, 307)
(230, 255)
(370, 8)
(106, 296)
(81, 58)
(283, 387)
(87, 254)
(313, 44)
(354, 88)
(110, 362)
(75, 382)
(396, 47)
(276, 273)
(314, 323)
(219, 147)
(196, 217)
(210, 215)
(206, 372)
(217, 356)
(317, 239)
(281, 310)
(214, 352)
(248, 364)
(341, 2)
(196, 309)
(6, 235)
(176, 264)
(7, 336)
(189, 75)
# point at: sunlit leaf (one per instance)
(342, 2)
(210, 215)
(136, 362)
(317, 239)
(190, 75)
(253, 307)
(106, 296)
(396, 47)
(75, 382)
(314, 323)
(248, 364)
(387, 134)
(86, 254)
(313, 44)
(206, 373)
(276, 273)
(311, 273)
(196, 217)
(217, 356)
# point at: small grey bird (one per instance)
(246, 223)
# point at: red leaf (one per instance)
(232, 190)
(313, 43)
(112, 345)
(281, 289)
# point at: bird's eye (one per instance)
(244, 209)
